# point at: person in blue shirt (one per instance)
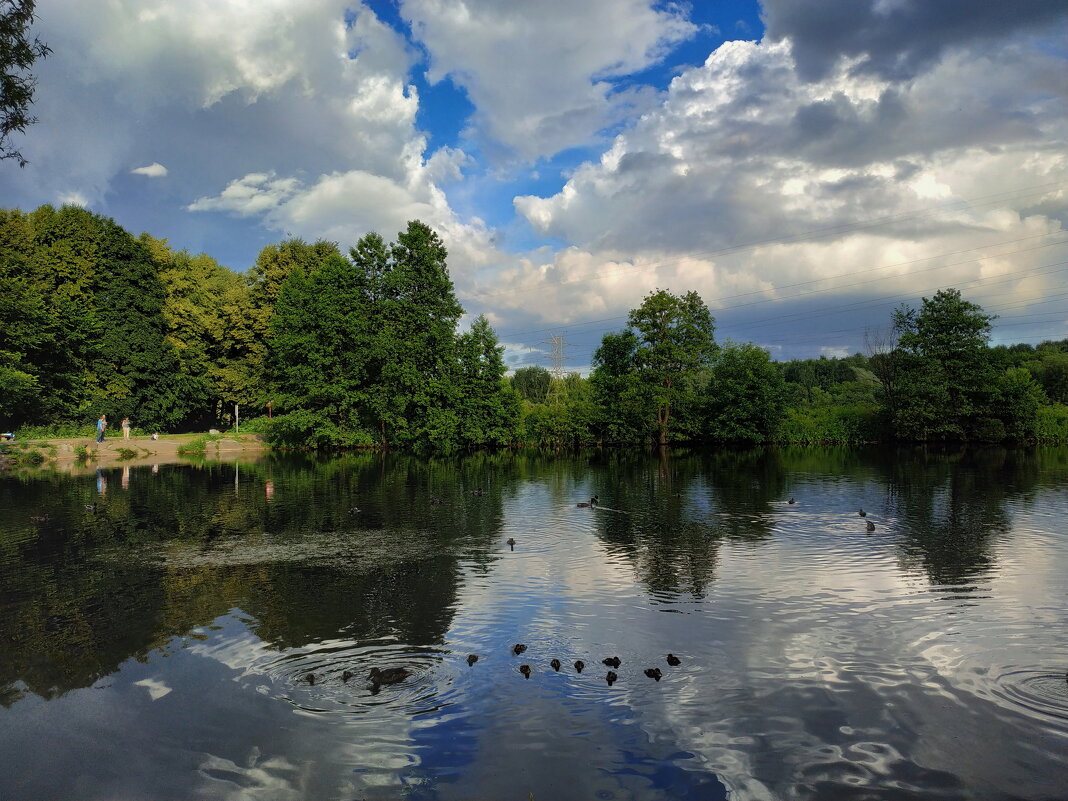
(101, 424)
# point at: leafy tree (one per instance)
(532, 383)
(946, 387)
(17, 56)
(674, 342)
(1020, 398)
(487, 405)
(745, 395)
(624, 403)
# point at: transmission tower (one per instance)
(556, 379)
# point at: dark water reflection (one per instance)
(158, 644)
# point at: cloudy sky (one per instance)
(805, 165)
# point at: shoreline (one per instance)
(66, 455)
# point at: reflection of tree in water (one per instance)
(87, 590)
(950, 506)
(675, 509)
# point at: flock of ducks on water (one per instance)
(379, 677)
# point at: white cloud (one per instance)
(540, 74)
(153, 170)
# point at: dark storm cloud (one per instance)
(898, 38)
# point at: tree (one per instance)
(17, 55)
(488, 406)
(624, 403)
(532, 383)
(946, 379)
(745, 395)
(674, 341)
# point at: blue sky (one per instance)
(805, 165)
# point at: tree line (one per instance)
(364, 349)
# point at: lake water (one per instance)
(158, 643)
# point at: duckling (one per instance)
(310, 678)
(579, 665)
(862, 513)
(870, 526)
(348, 674)
(525, 670)
(518, 648)
(555, 664)
(611, 677)
(791, 501)
(471, 659)
(511, 543)
(612, 661)
(673, 660)
(653, 673)
(592, 502)
(388, 676)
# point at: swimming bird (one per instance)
(348, 674)
(611, 677)
(518, 648)
(90, 507)
(435, 500)
(354, 510)
(579, 665)
(612, 661)
(870, 526)
(388, 676)
(673, 660)
(791, 501)
(511, 543)
(862, 513)
(479, 492)
(592, 502)
(653, 673)
(310, 678)
(472, 658)
(555, 664)
(39, 518)
(525, 670)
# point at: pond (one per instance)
(187, 631)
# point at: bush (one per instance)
(307, 429)
(1052, 423)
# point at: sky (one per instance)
(806, 166)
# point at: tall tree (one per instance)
(745, 395)
(675, 341)
(488, 406)
(17, 55)
(532, 383)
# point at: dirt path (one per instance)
(66, 454)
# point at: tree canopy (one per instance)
(17, 55)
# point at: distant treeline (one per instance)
(364, 349)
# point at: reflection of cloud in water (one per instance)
(272, 779)
(156, 689)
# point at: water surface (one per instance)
(158, 627)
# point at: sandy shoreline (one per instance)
(63, 454)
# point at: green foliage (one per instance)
(744, 396)
(17, 56)
(1051, 424)
(532, 383)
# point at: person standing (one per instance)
(101, 425)
(126, 428)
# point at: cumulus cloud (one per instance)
(153, 170)
(541, 75)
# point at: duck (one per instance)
(653, 673)
(591, 502)
(471, 659)
(478, 492)
(791, 501)
(612, 661)
(39, 518)
(611, 677)
(862, 513)
(579, 665)
(673, 660)
(348, 674)
(525, 670)
(388, 676)
(90, 507)
(510, 542)
(870, 526)
(354, 510)
(310, 678)
(518, 648)
(555, 664)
